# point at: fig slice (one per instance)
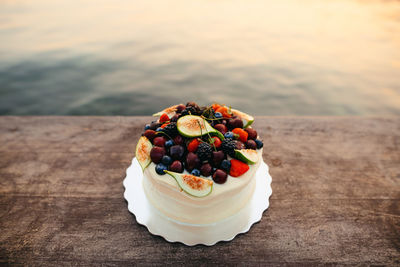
(250, 156)
(246, 118)
(170, 111)
(192, 185)
(194, 126)
(142, 153)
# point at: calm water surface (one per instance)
(264, 57)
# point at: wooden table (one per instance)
(336, 194)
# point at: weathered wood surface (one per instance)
(336, 195)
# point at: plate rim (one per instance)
(255, 218)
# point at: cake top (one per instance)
(199, 145)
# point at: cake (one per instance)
(199, 163)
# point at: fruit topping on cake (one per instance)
(170, 111)
(192, 126)
(193, 185)
(228, 146)
(248, 156)
(143, 149)
(190, 142)
(246, 118)
(238, 168)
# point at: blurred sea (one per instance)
(287, 57)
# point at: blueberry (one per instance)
(226, 165)
(147, 127)
(229, 135)
(259, 143)
(218, 115)
(166, 160)
(160, 168)
(169, 143)
(195, 172)
(159, 129)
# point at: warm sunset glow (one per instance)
(300, 57)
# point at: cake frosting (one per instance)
(225, 199)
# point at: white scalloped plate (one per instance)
(194, 234)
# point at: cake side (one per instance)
(225, 200)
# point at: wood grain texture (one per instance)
(336, 195)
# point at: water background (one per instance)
(337, 57)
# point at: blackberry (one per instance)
(204, 151)
(171, 129)
(228, 145)
(189, 110)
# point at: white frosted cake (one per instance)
(199, 163)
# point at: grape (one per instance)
(156, 154)
(239, 145)
(147, 127)
(192, 104)
(235, 123)
(220, 176)
(159, 141)
(206, 169)
(192, 161)
(180, 108)
(154, 125)
(176, 166)
(178, 140)
(252, 133)
(251, 144)
(217, 157)
(176, 152)
(222, 128)
(150, 134)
